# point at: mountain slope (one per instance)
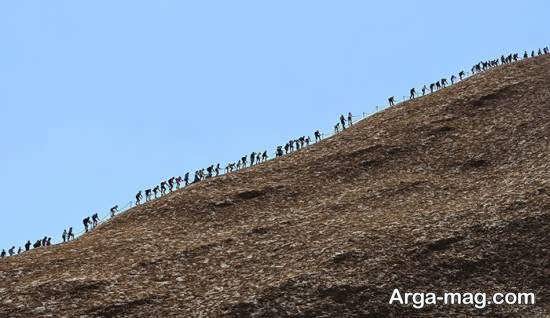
(446, 192)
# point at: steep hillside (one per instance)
(446, 192)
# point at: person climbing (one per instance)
(444, 82)
(49, 241)
(437, 85)
(453, 79)
(350, 118)
(3, 254)
(86, 222)
(432, 86)
(413, 93)
(19, 250)
(186, 178)
(37, 244)
(70, 234)
(461, 75)
(114, 210)
(95, 220)
(217, 169)
(148, 195)
(11, 251)
(279, 151)
(258, 157)
(28, 245)
(337, 128)
(533, 53)
(309, 139)
(139, 196)
(391, 100)
(171, 184)
(178, 182)
(196, 179)
(156, 190)
(317, 135)
(287, 146)
(264, 156)
(252, 158)
(424, 89)
(209, 171)
(243, 159)
(343, 122)
(162, 188)
(44, 241)
(64, 236)
(540, 52)
(238, 166)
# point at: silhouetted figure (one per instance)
(19, 250)
(209, 170)
(114, 210)
(64, 236)
(337, 128)
(391, 101)
(461, 75)
(139, 196)
(37, 244)
(243, 159)
(533, 53)
(148, 195)
(86, 222)
(413, 93)
(28, 246)
(343, 121)
(350, 118)
(11, 251)
(258, 157)
(44, 241)
(453, 79)
(432, 87)
(186, 178)
(424, 89)
(545, 49)
(308, 140)
(162, 188)
(179, 180)
(156, 191)
(252, 158)
(3, 254)
(95, 219)
(171, 184)
(317, 135)
(437, 85)
(49, 241)
(70, 234)
(444, 82)
(264, 155)
(279, 151)
(196, 179)
(540, 52)
(217, 169)
(239, 165)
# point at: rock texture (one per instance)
(448, 192)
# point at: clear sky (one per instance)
(99, 99)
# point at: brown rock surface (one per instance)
(446, 192)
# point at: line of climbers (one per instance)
(477, 68)
(259, 157)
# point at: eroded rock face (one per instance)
(445, 192)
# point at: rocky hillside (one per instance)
(448, 192)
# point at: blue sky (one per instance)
(99, 99)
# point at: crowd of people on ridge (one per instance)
(174, 183)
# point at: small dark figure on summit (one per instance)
(95, 220)
(343, 121)
(148, 195)
(350, 118)
(28, 245)
(114, 210)
(317, 134)
(391, 100)
(86, 222)
(413, 93)
(139, 196)
(70, 234)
